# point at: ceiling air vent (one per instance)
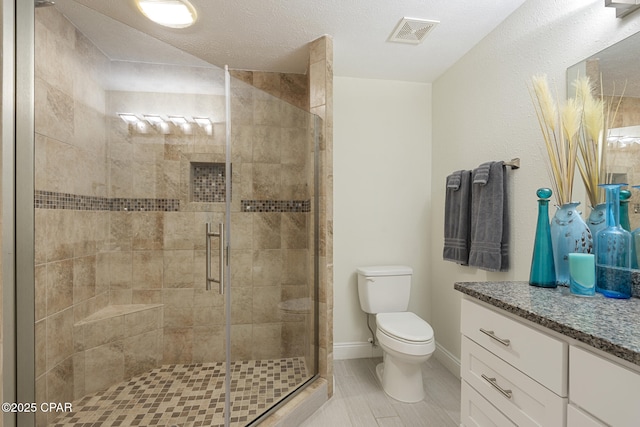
(412, 30)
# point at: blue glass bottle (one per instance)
(635, 243)
(543, 271)
(625, 195)
(613, 256)
(597, 222)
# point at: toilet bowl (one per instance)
(406, 340)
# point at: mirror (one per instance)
(618, 65)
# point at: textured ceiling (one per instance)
(272, 35)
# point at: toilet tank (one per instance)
(384, 289)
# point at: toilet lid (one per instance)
(405, 325)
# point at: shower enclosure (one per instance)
(171, 234)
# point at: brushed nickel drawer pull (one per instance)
(505, 342)
(494, 383)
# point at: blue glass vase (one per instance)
(543, 271)
(613, 258)
(569, 234)
(625, 195)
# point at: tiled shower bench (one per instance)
(115, 344)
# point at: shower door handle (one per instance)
(220, 235)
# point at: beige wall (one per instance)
(482, 111)
(382, 195)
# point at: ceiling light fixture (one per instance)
(169, 13)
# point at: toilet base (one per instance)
(401, 381)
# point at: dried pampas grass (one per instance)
(560, 129)
(597, 116)
(580, 126)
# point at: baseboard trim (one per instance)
(447, 358)
(355, 350)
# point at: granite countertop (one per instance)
(611, 325)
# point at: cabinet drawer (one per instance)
(475, 411)
(521, 399)
(605, 389)
(577, 418)
(538, 355)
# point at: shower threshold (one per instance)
(190, 395)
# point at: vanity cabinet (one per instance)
(519, 371)
(535, 356)
(517, 374)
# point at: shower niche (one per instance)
(203, 182)
(207, 182)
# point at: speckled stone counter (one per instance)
(607, 324)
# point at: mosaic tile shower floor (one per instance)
(189, 395)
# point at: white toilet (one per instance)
(406, 340)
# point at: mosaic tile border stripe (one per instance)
(276, 206)
(55, 200)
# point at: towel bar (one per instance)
(513, 163)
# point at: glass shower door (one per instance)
(273, 214)
(135, 163)
(130, 165)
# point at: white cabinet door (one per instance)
(577, 418)
(608, 391)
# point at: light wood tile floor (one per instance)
(359, 400)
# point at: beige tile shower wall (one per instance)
(70, 130)
(292, 88)
(270, 257)
(147, 165)
(295, 90)
(159, 257)
(321, 103)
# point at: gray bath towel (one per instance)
(457, 217)
(489, 218)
